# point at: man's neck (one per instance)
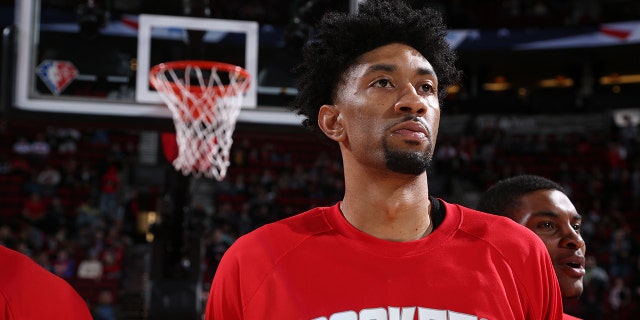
(390, 209)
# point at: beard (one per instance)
(413, 163)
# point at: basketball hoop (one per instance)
(205, 98)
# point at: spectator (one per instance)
(32, 236)
(87, 176)
(40, 148)
(91, 267)
(620, 252)
(49, 179)
(112, 265)
(22, 146)
(34, 209)
(216, 243)
(88, 214)
(69, 174)
(109, 186)
(63, 265)
(68, 140)
(97, 243)
(105, 309)
(619, 299)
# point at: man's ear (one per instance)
(330, 122)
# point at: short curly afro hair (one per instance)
(341, 38)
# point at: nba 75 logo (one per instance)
(57, 75)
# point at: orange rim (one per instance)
(202, 64)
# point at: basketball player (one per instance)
(28, 291)
(542, 206)
(373, 83)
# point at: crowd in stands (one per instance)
(64, 198)
(58, 207)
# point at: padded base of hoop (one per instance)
(169, 146)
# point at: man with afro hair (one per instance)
(373, 82)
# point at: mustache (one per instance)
(419, 120)
(423, 122)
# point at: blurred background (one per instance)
(550, 88)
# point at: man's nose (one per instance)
(409, 101)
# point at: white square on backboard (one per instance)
(214, 28)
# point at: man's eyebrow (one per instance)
(391, 68)
(381, 67)
(551, 214)
(425, 71)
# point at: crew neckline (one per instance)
(445, 223)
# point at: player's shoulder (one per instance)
(279, 237)
(6, 253)
(301, 225)
(496, 230)
(20, 266)
(16, 263)
(23, 281)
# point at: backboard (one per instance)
(65, 66)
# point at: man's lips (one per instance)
(412, 129)
(572, 265)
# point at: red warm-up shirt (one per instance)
(317, 266)
(28, 291)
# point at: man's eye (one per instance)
(427, 88)
(577, 228)
(546, 225)
(382, 83)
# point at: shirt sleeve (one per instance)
(225, 296)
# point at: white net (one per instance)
(205, 99)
